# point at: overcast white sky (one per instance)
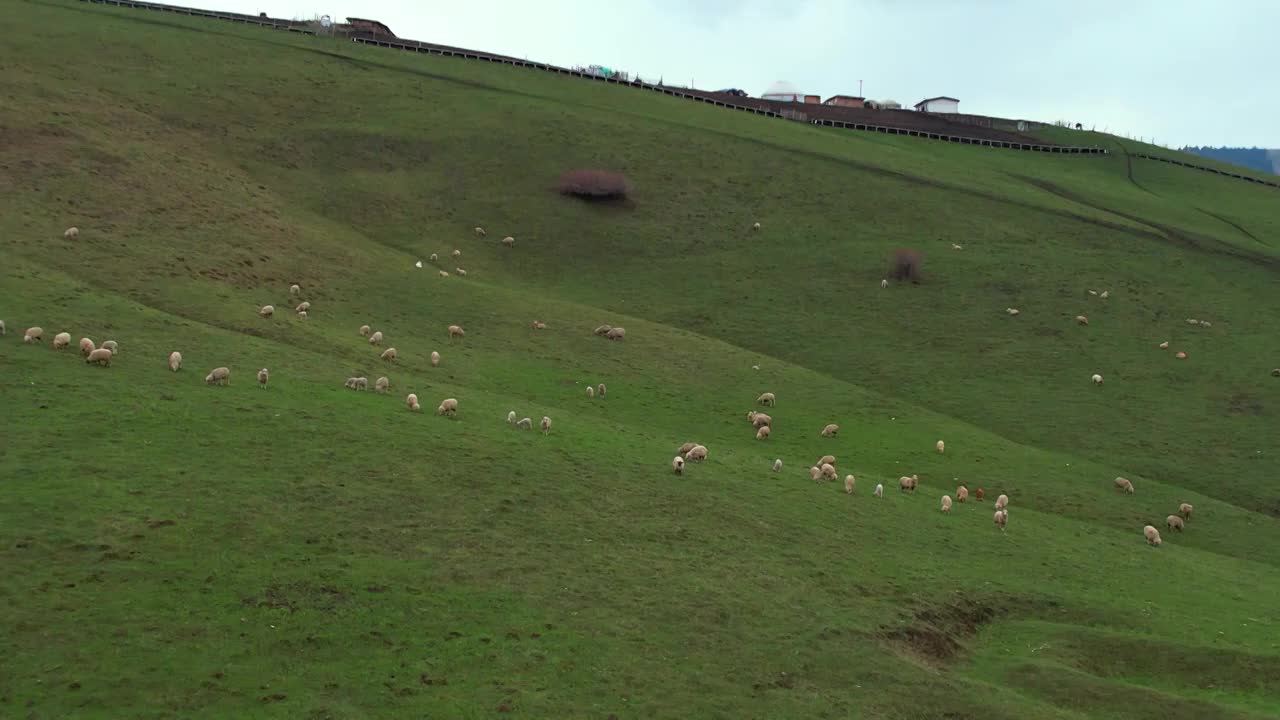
(1184, 72)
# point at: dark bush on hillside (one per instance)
(906, 265)
(594, 185)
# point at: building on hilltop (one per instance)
(942, 104)
(373, 27)
(783, 91)
(849, 101)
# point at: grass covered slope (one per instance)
(175, 550)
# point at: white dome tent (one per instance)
(783, 91)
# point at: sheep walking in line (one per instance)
(456, 331)
(830, 430)
(101, 356)
(175, 361)
(61, 341)
(263, 376)
(677, 465)
(218, 376)
(1124, 484)
(1152, 535)
(767, 399)
(33, 335)
(546, 425)
(448, 407)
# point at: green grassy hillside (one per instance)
(174, 550)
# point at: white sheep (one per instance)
(815, 473)
(756, 226)
(1097, 379)
(828, 472)
(460, 272)
(1173, 522)
(1001, 518)
(267, 311)
(3, 331)
(456, 331)
(849, 482)
(591, 392)
(697, 453)
(457, 253)
(884, 284)
(33, 334)
(908, 484)
(411, 402)
(830, 430)
(602, 330)
(940, 446)
(112, 345)
(777, 465)
(685, 448)
(175, 361)
(435, 359)
(677, 465)
(1185, 509)
(1205, 324)
(218, 376)
(418, 264)
(539, 325)
(480, 231)
(962, 494)
(102, 356)
(1192, 321)
(389, 354)
(1152, 535)
(61, 341)
(362, 384)
(1180, 355)
(511, 418)
(1082, 320)
(616, 334)
(509, 241)
(1104, 294)
(763, 433)
(1124, 484)
(295, 290)
(448, 406)
(826, 460)
(1012, 311)
(86, 346)
(376, 338)
(365, 331)
(434, 257)
(444, 274)
(955, 246)
(767, 399)
(546, 425)
(1164, 345)
(525, 423)
(1002, 502)
(71, 233)
(263, 376)
(303, 307)
(760, 420)
(382, 384)
(302, 314)
(1275, 372)
(946, 503)
(879, 491)
(600, 389)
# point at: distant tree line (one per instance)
(1259, 159)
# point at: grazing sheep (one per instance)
(1002, 502)
(1104, 294)
(1173, 522)
(884, 284)
(1164, 345)
(830, 430)
(71, 233)
(382, 384)
(600, 389)
(756, 226)
(356, 383)
(303, 307)
(1125, 485)
(1082, 320)
(1001, 518)
(962, 494)
(302, 314)
(175, 361)
(263, 376)
(1012, 311)
(61, 341)
(33, 334)
(697, 453)
(755, 367)
(444, 274)
(946, 503)
(218, 376)
(1097, 379)
(295, 290)
(1185, 509)
(815, 473)
(908, 484)
(3, 331)
(113, 346)
(777, 465)
(616, 334)
(602, 330)
(763, 433)
(980, 494)
(86, 346)
(1181, 355)
(954, 246)
(546, 425)
(448, 406)
(767, 399)
(102, 356)
(480, 231)
(460, 272)
(591, 392)
(826, 460)
(849, 482)
(457, 253)
(539, 325)
(350, 383)
(940, 446)
(509, 241)
(761, 420)
(1152, 535)
(511, 418)
(525, 423)
(1275, 372)
(1205, 324)
(411, 402)
(1093, 292)
(685, 448)
(828, 472)
(434, 257)
(267, 310)
(376, 338)
(435, 359)
(456, 331)
(365, 331)
(677, 465)
(389, 354)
